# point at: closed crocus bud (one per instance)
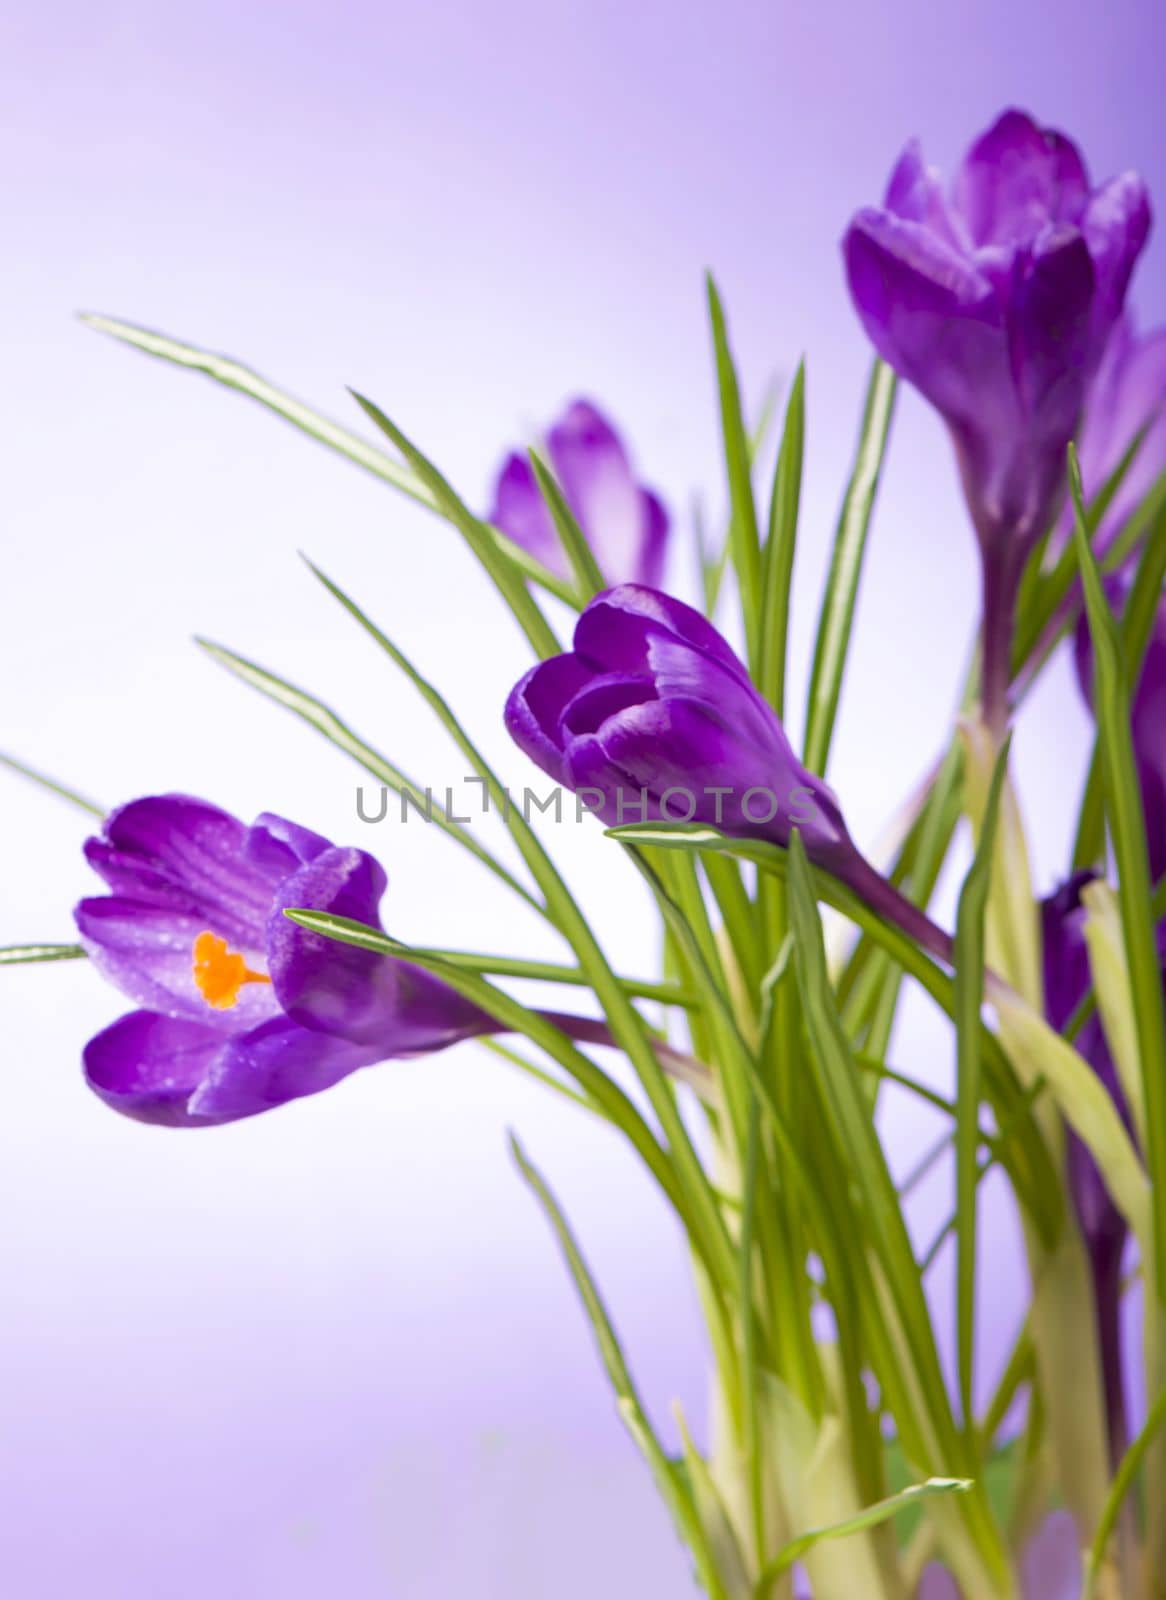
(242, 1010)
(625, 524)
(996, 300)
(651, 717)
(1067, 980)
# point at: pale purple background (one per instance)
(333, 1352)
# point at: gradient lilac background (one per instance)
(333, 1352)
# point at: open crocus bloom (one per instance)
(1127, 397)
(625, 524)
(996, 302)
(241, 1009)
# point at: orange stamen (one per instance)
(221, 972)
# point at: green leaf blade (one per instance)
(780, 546)
(836, 617)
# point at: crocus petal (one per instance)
(602, 698)
(915, 193)
(1049, 330)
(535, 707)
(654, 546)
(1148, 725)
(615, 631)
(932, 316)
(279, 847)
(750, 790)
(625, 524)
(271, 1065)
(147, 951)
(1066, 955)
(372, 1000)
(147, 1066)
(593, 467)
(179, 851)
(1016, 177)
(320, 982)
(1128, 395)
(1116, 226)
(521, 513)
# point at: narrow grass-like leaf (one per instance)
(319, 716)
(1085, 1103)
(499, 567)
(744, 537)
(15, 955)
(1064, 616)
(627, 1026)
(778, 556)
(1048, 594)
(753, 1450)
(51, 784)
(1111, 698)
(870, 1518)
(886, 1233)
(672, 1487)
(588, 578)
(723, 1543)
(497, 966)
(234, 375)
(515, 1017)
(837, 614)
(546, 1079)
(1029, 1164)
(969, 995)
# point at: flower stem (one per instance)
(999, 612)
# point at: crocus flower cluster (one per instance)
(996, 301)
(625, 524)
(242, 1010)
(1001, 299)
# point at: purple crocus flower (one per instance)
(1128, 395)
(996, 301)
(652, 717)
(1067, 980)
(242, 1009)
(625, 524)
